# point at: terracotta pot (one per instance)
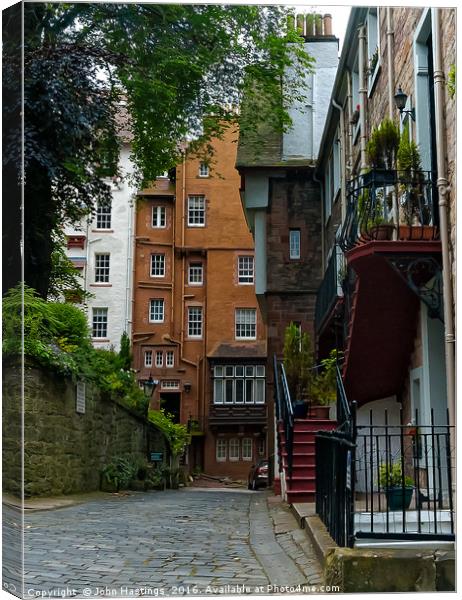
(319, 412)
(417, 232)
(382, 232)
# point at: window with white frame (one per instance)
(239, 384)
(196, 211)
(373, 45)
(170, 384)
(102, 268)
(245, 269)
(169, 358)
(103, 215)
(233, 449)
(221, 447)
(99, 322)
(156, 310)
(195, 273)
(294, 244)
(204, 170)
(195, 321)
(247, 448)
(157, 265)
(158, 217)
(148, 358)
(246, 323)
(159, 358)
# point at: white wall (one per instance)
(118, 242)
(309, 114)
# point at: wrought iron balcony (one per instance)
(330, 289)
(390, 205)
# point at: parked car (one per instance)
(258, 476)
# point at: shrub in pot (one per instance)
(391, 481)
(298, 364)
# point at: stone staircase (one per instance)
(301, 486)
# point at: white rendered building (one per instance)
(102, 249)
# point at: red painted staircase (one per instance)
(301, 486)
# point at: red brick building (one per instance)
(197, 327)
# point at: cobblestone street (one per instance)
(184, 542)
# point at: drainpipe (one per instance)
(363, 97)
(443, 192)
(129, 281)
(342, 158)
(391, 65)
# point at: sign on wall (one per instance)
(80, 397)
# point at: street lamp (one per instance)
(149, 385)
(400, 102)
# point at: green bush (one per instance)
(177, 435)
(391, 476)
(120, 471)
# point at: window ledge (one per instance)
(93, 339)
(100, 284)
(102, 231)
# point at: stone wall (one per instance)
(64, 451)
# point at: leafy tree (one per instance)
(125, 355)
(298, 361)
(94, 72)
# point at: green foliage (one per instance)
(408, 156)
(452, 81)
(391, 476)
(298, 361)
(324, 384)
(177, 435)
(56, 335)
(382, 146)
(125, 355)
(94, 69)
(65, 279)
(120, 471)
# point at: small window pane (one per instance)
(221, 449)
(260, 370)
(99, 323)
(260, 391)
(239, 370)
(250, 371)
(159, 358)
(218, 371)
(239, 391)
(245, 269)
(157, 265)
(203, 170)
(247, 448)
(229, 371)
(156, 311)
(102, 268)
(195, 322)
(148, 358)
(169, 358)
(103, 215)
(196, 211)
(294, 243)
(158, 216)
(218, 391)
(249, 391)
(229, 385)
(234, 449)
(195, 274)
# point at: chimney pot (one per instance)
(300, 21)
(318, 21)
(327, 24)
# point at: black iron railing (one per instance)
(284, 412)
(390, 205)
(335, 482)
(330, 289)
(404, 480)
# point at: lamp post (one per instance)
(149, 385)
(400, 102)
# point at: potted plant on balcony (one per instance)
(371, 212)
(298, 364)
(382, 149)
(415, 214)
(391, 481)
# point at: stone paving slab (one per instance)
(163, 541)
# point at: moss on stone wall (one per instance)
(64, 451)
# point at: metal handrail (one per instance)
(284, 411)
(343, 408)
